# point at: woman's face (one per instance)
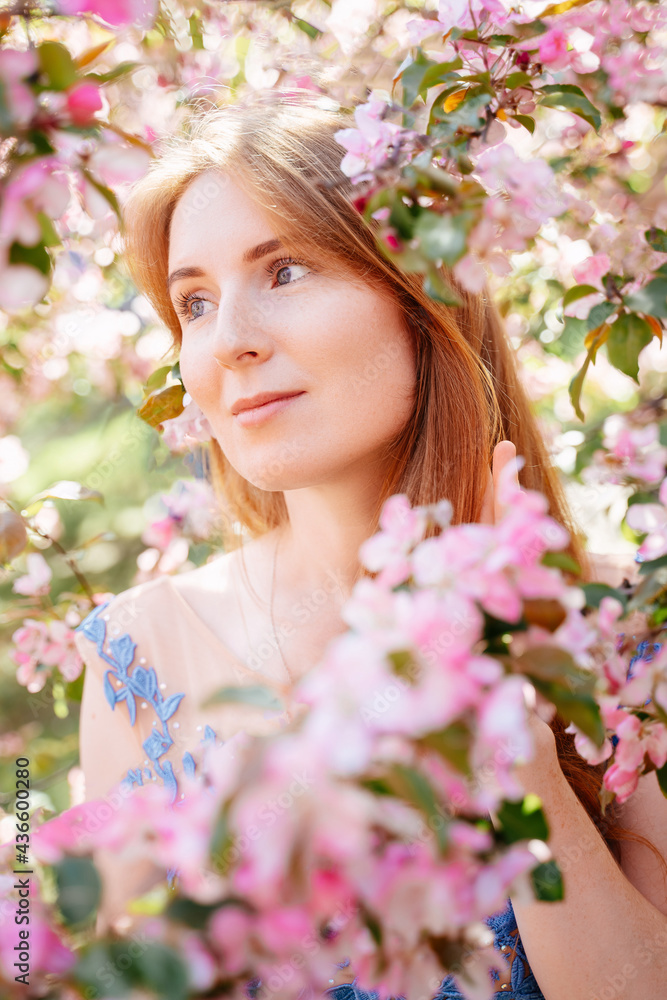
(303, 372)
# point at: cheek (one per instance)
(377, 376)
(198, 374)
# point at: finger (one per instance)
(504, 455)
(486, 515)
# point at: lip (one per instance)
(256, 409)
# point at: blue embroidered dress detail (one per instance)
(141, 683)
(507, 940)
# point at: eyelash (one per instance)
(183, 300)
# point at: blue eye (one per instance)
(183, 303)
(286, 264)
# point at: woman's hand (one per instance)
(504, 454)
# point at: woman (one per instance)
(331, 381)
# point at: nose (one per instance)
(241, 337)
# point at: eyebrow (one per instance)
(249, 257)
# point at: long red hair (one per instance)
(282, 150)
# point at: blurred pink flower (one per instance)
(591, 270)
(371, 143)
(15, 66)
(637, 446)
(189, 428)
(651, 519)
(83, 101)
(37, 581)
(117, 12)
(41, 646)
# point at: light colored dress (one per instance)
(154, 652)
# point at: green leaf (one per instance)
(651, 299)
(79, 889)
(523, 820)
(657, 239)
(561, 560)
(547, 882)
(596, 591)
(453, 743)
(551, 663)
(598, 314)
(443, 237)
(102, 189)
(222, 840)
(64, 489)
(579, 708)
(629, 334)
(403, 217)
(162, 405)
(526, 121)
(186, 911)
(650, 566)
(162, 970)
(57, 65)
(308, 28)
(577, 382)
(254, 694)
(415, 788)
(432, 179)
(412, 78)
(570, 98)
(517, 79)
(578, 292)
(661, 773)
(470, 114)
(37, 257)
(438, 289)
(440, 73)
(156, 379)
(119, 71)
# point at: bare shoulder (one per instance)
(613, 568)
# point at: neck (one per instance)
(326, 526)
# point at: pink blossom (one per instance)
(19, 100)
(371, 143)
(386, 552)
(39, 186)
(21, 286)
(40, 646)
(117, 12)
(470, 273)
(591, 270)
(552, 49)
(38, 578)
(650, 519)
(186, 430)
(621, 782)
(83, 101)
(637, 447)
(160, 533)
(116, 163)
(587, 749)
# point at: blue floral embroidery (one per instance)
(503, 924)
(141, 683)
(646, 650)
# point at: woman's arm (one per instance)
(605, 938)
(109, 745)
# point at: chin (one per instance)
(287, 471)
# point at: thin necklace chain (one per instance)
(273, 623)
